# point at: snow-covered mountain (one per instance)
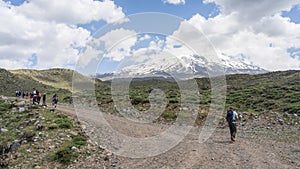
(185, 67)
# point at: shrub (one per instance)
(64, 155)
(79, 140)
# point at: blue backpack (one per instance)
(229, 116)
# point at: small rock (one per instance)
(21, 109)
(21, 104)
(73, 133)
(39, 127)
(61, 134)
(51, 147)
(73, 148)
(14, 147)
(106, 158)
(2, 130)
(36, 123)
(280, 121)
(83, 127)
(28, 136)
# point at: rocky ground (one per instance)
(54, 138)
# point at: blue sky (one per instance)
(57, 29)
(293, 14)
(185, 11)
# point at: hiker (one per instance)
(39, 97)
(35, 95)
(44, 99)
(232, 117)
(55, 100)
(26, 94)
(31, 96)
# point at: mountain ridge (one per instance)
(184, 67)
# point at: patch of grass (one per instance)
(4, 106)
(64, 155)
(169, 115)
(79, 141)
(63, 121)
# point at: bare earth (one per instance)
(257, 146)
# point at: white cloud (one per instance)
(118, 43)
(174, 2)
(253, 10)
(72, 12)
(46, 29)
(262, 36)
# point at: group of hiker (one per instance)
(36, 97)
(23, 94)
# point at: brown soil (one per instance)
(259, 144)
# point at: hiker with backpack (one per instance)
(44, 99)
(231, 118)
(35, 95)
(55, 100)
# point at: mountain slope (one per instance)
(11, 82)
(184, 67)
(57, 78)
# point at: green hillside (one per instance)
(275, 91)
(10, 82)
(57, 78)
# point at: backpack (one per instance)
(229, 116)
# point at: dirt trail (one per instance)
(253, 149)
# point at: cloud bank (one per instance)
(43, 34)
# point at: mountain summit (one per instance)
(184, 67)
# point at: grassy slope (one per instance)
(11, 82)
(57, 78)
(277, 91)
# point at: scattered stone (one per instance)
(14, 109)
(280, 121)
(2, 130)
(39, 127)
(286, 114)
(21, 109)
(73, 149)
(29, 136)
(36, 123)
(15, 146)
(51, 147)
(73, 133)
(4, 148)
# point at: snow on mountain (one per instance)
(184, 67)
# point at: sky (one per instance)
(42, 34)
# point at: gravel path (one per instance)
(254, 148)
